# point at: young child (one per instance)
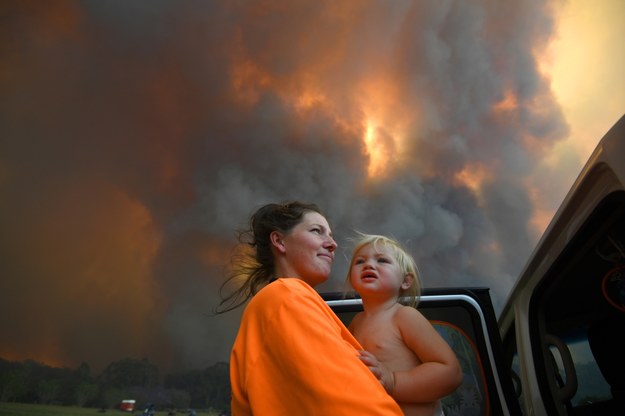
(403, 350)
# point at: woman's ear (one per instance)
(277, 241)
(408, 279)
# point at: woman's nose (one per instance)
(331, 244)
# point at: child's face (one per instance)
(376, 272)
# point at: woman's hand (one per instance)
(379, 370)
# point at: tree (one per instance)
(128, 373)
(208, 388)
(113, 397)
(83, 371)
(85, 392)
(180, 399)
(218, 381)
(48, 390)
(13, 384)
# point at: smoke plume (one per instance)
(136, 137)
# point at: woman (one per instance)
(292, 355)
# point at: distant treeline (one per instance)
(33, 382)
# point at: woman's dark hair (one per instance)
(253, 261)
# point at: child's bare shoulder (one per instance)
(355, 321)
(408, 314)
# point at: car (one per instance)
(563, 325)
(558, 345)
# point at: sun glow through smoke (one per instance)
(377, 159)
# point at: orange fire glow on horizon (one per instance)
(43, 356)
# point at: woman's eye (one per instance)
(316, 230)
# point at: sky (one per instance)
(137, 137)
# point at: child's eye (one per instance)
(383, 260)
(359, 261)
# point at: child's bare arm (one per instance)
(440, 372)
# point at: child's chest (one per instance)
(383, 339)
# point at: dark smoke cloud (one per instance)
(137, 136)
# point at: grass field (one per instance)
(24, 409)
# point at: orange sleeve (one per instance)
(293, 356)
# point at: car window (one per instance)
(591, 385)
(471, 398)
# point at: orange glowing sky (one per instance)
(588, 67)
(586, 63)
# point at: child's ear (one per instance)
(408, 279)
(277, 241)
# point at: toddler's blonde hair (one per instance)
(405, 261)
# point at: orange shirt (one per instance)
(293, 356)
